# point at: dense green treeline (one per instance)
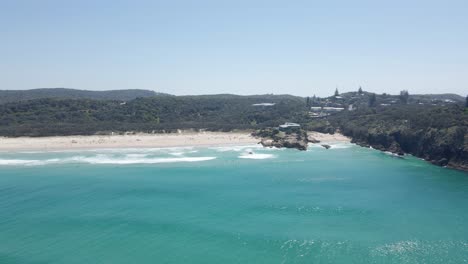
(432, 127)
(9, 96)
(44, 117)
(436, 133)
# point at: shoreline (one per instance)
(327, 138)
(140, 140)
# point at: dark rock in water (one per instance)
(313, 140)
(267, 142)
(300, 145)
(441, 162)
(395, 148)
(274, 138)
(285, 143)
(360, 143)
(436, 134)
(326, 146)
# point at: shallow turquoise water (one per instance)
(207, 205)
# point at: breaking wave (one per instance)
(333, 145)
(110, 160)
(340, 145)
(16, 162)
(236, 148)
(256, 156)
(102, 159)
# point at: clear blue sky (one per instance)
(243, 47)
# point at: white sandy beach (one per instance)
(337, 137)
(126, 141)
(141, 141)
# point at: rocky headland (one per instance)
(272, 137)
(436, 134)
(296, 138)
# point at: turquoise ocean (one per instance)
(236, 204)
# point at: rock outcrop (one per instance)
(296, 138)
(438, 134)
(442, 147)
(312, 139)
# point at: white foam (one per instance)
(117, 150)
(394, 155)
(17, 162)
(340, 145)
(314, 145)
(101, 159)
(132, 156)
(333, 145)
(235, 148)
(177, 153)
(256, 156)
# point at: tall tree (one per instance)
(336, 92)
(308, 101)
(466, 103)
(404, 96)
(360, 90)
(372, 100)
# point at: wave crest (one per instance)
(101, 159)
(256, 156)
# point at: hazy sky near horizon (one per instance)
(243, 47)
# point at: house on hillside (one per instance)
(318, 114)
(316, 108)
(333, 109)
(288, 126)
(264, 104)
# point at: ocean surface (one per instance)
(240, 204)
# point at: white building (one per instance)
(289, 125)
(316, 108)
(333, 109)
(264, 104)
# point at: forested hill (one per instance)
(443, 97)
(438, 134)
(7, 96)
(433, 127)
(47, 117)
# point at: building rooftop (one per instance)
(286, 125)
(264, 104)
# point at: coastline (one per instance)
(327, 138)
(140, 140)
